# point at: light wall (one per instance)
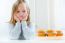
(41, 13)
(44, 13)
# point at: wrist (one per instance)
(23, 23)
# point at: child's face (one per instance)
(21, 13)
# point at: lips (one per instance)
(20, 17)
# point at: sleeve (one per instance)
(29, 31)
(32, 31)
(15, 31)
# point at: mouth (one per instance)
(20, 17)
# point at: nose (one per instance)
(21, 14)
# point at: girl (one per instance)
(20, 25)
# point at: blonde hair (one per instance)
(15, 7)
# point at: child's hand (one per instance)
(20, 18)
(17, 18)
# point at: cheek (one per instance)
(18, 16)
(25, 15)
(15, 17)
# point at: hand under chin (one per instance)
(22, 19)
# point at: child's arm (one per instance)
(29, 32)
(15, 31)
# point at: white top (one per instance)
(13, 32)
(28, 32)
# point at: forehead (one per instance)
(22, 6)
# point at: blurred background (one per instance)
(47, 14)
